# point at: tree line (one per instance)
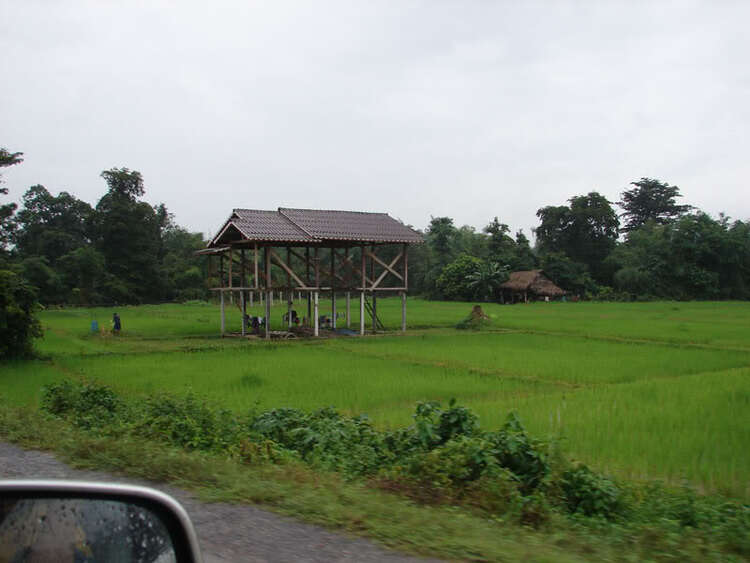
(58, 249)
(123, 250)
(653, 248)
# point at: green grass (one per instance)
(645, 390)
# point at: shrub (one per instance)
(85, 405)
(18, 323)
(590, 494)
(187, 422)
(522, 455)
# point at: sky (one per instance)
(463, 109)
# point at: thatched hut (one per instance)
(529, 284)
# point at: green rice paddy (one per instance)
(644, 390)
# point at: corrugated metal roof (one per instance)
(316, 226)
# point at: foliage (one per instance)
(650, 201)
(51, 226)
(122, 251)
(692, 257)
(86, 405)
(486, 279)
(455, 280)
(7, 210)
(586, 231)
(590, 494)
(443, 457)
(18, 322)
(569, 275)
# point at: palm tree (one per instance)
(487, 278)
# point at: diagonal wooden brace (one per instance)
(286, 268)
(388, 268)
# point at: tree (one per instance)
(51, 226)
(586, 231)
(525, 259)
(501, 246)
(7, 224)
(650, 200)
(18, 323)
(569, 275)
(486, 280)
(127, 232)
(693, 257)
(454, 280)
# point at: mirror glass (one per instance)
(81, 529)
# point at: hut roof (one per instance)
(313, 226)
(533, 281)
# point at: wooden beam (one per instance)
(388, 267)
(357, 270)
(286, 268)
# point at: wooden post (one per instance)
(406, 267)
(223, 314)
(403, 311)
(231, 259)
(333, 291)
(307, 281)
(361, 313)
(244, 310)
(252, 297)
(374, 293)
(267, 261)
(316, 326)
(255, 273)
(362, 294)
(348, 309)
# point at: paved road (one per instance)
(227, 532)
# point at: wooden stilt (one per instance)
(333, 291)
(348, 309)
(363, 271)
(252, 296)
(223, 315)
(374, 312)
(307, 281)
(361, 313)
(244, 311)
(403, 311)
(289, 311)
(269, 297)
(316, 320)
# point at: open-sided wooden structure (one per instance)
(309, 251)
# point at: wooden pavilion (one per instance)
(309, 251)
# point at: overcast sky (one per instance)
(418, 109)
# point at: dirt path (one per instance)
(227, 532)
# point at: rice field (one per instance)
(644, 390)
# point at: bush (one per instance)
(589, 493)
(18, 323)
(525, 457)
(188, 423)
(85, 405)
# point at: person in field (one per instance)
(116, 324)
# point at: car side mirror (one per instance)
(79, 521)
